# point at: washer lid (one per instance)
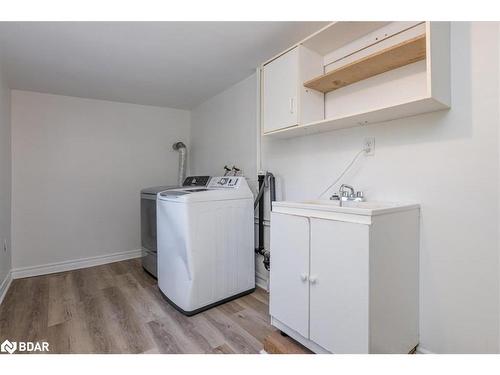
(216, 191)
(156, 189)
(179, 192)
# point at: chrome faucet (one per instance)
(344, 195)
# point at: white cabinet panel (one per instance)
(339, 298)
(289, 287)
(280, 92)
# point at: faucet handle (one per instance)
(359, 194)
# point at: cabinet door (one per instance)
(339, 286)
(280, 88)
(289, 287)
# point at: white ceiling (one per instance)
(173, 64)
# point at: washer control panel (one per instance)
(225, 182)
(196, 181)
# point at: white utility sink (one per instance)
(348, 207)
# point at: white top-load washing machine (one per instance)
(148, 219)
(206, 244)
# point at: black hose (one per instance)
(261, 212)
(259, 200)
(259, 195)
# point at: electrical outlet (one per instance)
(369, 146)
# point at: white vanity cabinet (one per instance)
(345, 280)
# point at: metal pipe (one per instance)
(181, 147)
(272, 187)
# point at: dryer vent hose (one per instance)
(181, 147)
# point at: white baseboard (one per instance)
(4, 287)
(68, 265)
(421, 350)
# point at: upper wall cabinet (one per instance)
(286, 101)
(356, 73)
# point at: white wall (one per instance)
(446, 161)
(78, 167)
(5, 180)
(224, 131)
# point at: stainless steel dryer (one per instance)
(148, 220)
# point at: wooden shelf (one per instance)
(404, 53)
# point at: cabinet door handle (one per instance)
(304, 277)
(291, 105)
(313, 279)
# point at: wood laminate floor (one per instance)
(117, 308)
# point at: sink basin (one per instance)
(348, 207)
(351, 204)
